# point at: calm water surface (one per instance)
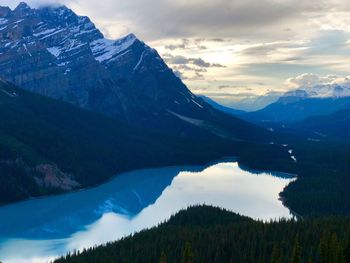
(40, 230)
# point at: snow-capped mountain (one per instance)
(54, 52)
(321, 91)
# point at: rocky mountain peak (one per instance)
(22, 10)
(55, 52)
(22, 6)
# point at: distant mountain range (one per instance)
(292, 109)
(321, 91)
(56, 53)
(314, 117)
(293, 106)
(251, 102)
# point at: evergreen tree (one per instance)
(347, 249)
(162, 258)
(187, 256)
(275, 255)
(323, 249)
(336, 251)
(296, 255)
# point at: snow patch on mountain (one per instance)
(190, 120)
(140, 61)
(292, 156)
(200, 106)
(105, 49)
(45, 32)
(55, 51)
(3, 21)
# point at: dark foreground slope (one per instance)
(206, 234)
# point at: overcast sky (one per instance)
(223, 48)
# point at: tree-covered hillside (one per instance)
(47, 146)
(207, 234)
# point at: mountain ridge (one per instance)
(54, 52)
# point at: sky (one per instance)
(229, 49)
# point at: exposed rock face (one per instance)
(46, 176)
(52, 177)
(54, 52)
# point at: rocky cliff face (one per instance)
(56, 53)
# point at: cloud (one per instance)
(198, 62)
(188, 44)
(321, 86)
(265, 49)
(237, 43)
(177, 60)
(201, 18)
(306, 80)
(309, 81)
(182, 45)
(218, 40)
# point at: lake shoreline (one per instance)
(222, 159)
(135, 201)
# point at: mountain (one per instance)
(56, 53)
(296, 108)
(48, 146)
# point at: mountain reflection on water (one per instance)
(52, 226)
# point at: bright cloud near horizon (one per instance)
(230, 49)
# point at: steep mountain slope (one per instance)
(56, 53)
(48, 146)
